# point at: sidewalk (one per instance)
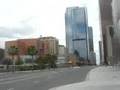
(100, 78)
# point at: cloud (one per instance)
(45, 16)
(16, 30)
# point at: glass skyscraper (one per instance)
(76, 23)
(90, 37)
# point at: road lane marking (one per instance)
(25, 77)
(18, 77)
(36, 82)
(10, 89)
(76, 67)
(9, 82)
(22, 79)
(54, 72)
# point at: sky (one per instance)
(32, 18)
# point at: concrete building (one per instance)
(106, 20)
(61, 55)
(110, 47)
(92, 58)
(76, 22)
(61, 50)
(48, 45)
(116, 31)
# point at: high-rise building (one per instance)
(92, 55)
(90, 38)
(76, 23)
(116, 31)
(106, 20)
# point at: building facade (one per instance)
(92, 55)
(61, 55)
(106, 20)
(48, 45)
(76, 23)
(2, 54)
(90, 38)
(22, 45)
(44, 46)
(61, 50)
(116, 31)
(92, 58)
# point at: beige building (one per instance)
(109, 45)
(48, 45)
(7, 46)
(61, 55)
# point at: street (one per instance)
(43, 80)
(99, 78)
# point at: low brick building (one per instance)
(44, 45)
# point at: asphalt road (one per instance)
(43, 80)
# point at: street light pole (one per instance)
(13, 63)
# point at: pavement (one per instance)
(100, 78)
(43, 80)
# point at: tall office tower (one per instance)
(90, 37)
(76, 22)
(92, 55)
(106, 21)
(116, 31)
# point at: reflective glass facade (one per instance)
(76, 31)
(90, 36)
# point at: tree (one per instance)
(19, 62)
(41, 62)
(7, 61)
(51, 60)
(77, 55)
(13, 51)
(1, 54)
(32, 51)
